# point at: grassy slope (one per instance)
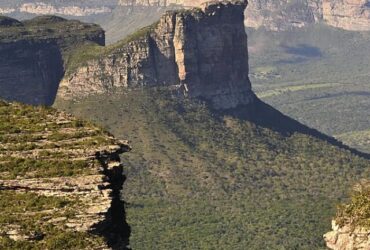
(317, 75)
(199, 180)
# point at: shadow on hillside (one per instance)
(266, 116)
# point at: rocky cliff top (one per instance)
(58, 178)
(351, 227)
(67, 32)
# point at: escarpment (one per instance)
(200, 53)
(347, 14)
(60, 182)
(275, 15)
(32, 55)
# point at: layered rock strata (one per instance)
(200, 53)
(270, 14)
(61, 158)
(347, 14)
(347, 238)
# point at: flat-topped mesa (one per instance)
(201, 53)
(32, 54)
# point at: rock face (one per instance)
(48, 9)
(351, 228)
(199, 53)
(31, 55)
(24, 80)
(347, 14)
(284, 15)
(70, 161)
(347, 238)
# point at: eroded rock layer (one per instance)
(60, 182)
(199, 53)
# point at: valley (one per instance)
(234, 137)
(317, 75)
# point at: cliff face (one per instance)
(30, 71)
(198, 53)
(65, 170)
(347, 14)
(31, 55)
(283, 15)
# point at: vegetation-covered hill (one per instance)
(54, 185)
(199, 179)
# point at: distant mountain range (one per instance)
(121, 17)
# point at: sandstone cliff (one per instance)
(351, 227)
(283, 14)
(31, 55)
(60, 182)
(347, 14)
(271, 14)
(199, 53)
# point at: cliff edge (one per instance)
(60, 182)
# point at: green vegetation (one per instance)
(197, 179)
(68, 34)
(357, 212)
(357, 139)
(317, 75)
(40, 209)
(40, 142)
(81, 55)
(45, 27)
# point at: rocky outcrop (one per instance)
(70, 161)
(351, 228)
(41, 8)
(31, 55)
(200, 53)
(347, 14)
(347, 238)
(284, 15)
